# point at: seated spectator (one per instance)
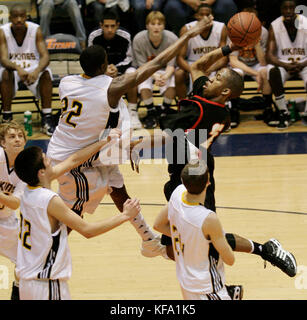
(46, 8)
(223, 9)
(24, 57)
(117, 43)
(287, 53)
(180, 12)
(141, 9)
(196, 47)
(96, 9)
(147, 44)
(251, 61)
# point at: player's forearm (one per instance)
(207, 60)
(43, 63)
(9, 201)
(97, 228)
(77, 159)
(272, 59)
(221, 63)
(8, 64)
(183, 64)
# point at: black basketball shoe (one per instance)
(235, 292)
(273, 252)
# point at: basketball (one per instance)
(244, 29)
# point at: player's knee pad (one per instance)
(231, 240)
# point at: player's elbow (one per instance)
(157, 226)
(229, 259)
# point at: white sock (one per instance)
(142, 228)
(252, 244)
(148, 101)
(132, 106)
(46, 110)
(167, 100)
(281, 103)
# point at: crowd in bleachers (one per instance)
(132, 32)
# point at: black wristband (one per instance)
(226, 50)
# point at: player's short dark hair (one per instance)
(204, 5)
(283, 1)
(195, 176)
(28, 163)
(91, 59)
(109, 15)
(235, 83)
(18, 6)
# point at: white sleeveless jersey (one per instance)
(26, 56)
(86, 113)
(41, 254)
(288, 51)
(198, 46)
(198, 266)
(10, 184)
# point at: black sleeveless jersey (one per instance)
(196, 113)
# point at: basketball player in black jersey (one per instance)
(206, 110)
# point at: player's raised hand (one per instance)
(202, 25)
(131, 208)
(114, 134)
(135, 155)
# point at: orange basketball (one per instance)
(244, 29)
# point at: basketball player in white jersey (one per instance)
(251, 61)
(12, 140)
(203, 43)
(24, 57)
(287, 53)
(43, 257)
(199, 243)
(91, 103)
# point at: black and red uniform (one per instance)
(196, 113)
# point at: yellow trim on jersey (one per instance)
(187, 202)
(32, 188)
(83, 75)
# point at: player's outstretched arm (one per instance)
(200, 67)
(120, 85)
(58, 211)
(9, 200)
(212, 229)
(83, 155)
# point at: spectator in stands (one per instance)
(46, 8)
(117, 43)
(147, 44)
(142, 8)
(223, 9)
(196, 47)
(24, 57)
(180, 12)
(96, 9)
(251, 61)
(287, 53)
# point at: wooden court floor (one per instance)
(111, 267)
(258, 197)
